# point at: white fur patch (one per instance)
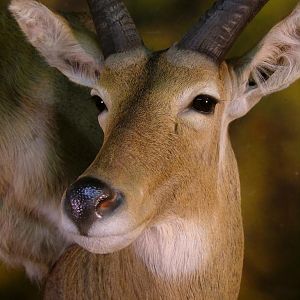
(174, 247)
(106, 244)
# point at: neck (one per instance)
(173, 260)
(180, 257)
(174, 248)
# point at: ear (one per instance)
(272, 66)
(75, 54)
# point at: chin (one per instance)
(106, 244)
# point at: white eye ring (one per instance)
(94, 93)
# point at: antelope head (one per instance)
(166, 165)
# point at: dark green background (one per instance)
(267, 146)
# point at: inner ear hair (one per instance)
(273, 69)
(275, 63)
(262, 73)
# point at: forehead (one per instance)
(172, 71)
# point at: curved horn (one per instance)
(114, 26)
(217, 30)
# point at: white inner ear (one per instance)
(55, 40)
(278, 68)
(273, 65)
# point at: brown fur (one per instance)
(179, 234)
(215, 208)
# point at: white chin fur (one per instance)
(107, 244)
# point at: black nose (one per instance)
(89, 199)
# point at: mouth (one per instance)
(106, 244)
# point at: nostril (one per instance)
(105, 205)
(88, 199)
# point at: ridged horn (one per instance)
(114, 26)
(217, 30)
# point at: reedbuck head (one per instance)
(166, 172)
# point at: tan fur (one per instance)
(183, 252)
(37, 154)
(179, 234)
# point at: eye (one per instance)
(99, 103)
(204, 104)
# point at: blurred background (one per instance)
(267, 146)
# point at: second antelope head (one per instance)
(165, 178)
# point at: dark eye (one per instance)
(99, 104)
(204, 104)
